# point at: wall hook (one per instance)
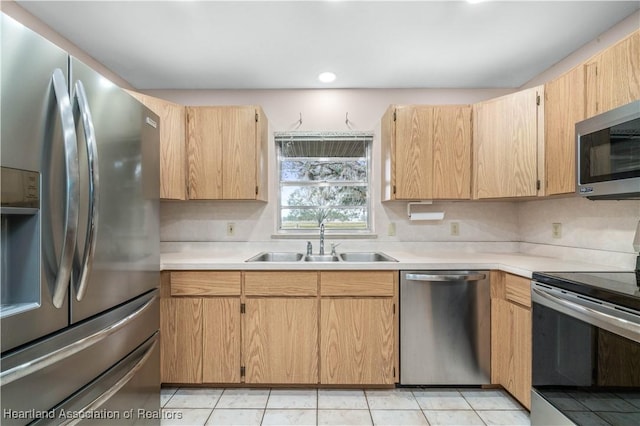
(346, 120)
(298, 123)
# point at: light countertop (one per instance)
(515, 263)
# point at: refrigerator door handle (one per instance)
(445, 277)
(30, 367)
(73, 190)
(104, 397)
(81, 108)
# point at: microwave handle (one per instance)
(578, 309)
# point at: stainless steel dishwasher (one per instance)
(445, 328)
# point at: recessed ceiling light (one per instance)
(327, 77)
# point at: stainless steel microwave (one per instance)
(608, 154)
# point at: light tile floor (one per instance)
(436, 406)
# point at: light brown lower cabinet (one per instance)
(511, 335)
(280, 340)
(200, 335)
(357, 341)
(181, 340)
(277, 327)
(221, 340)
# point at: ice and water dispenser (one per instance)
(20, 238)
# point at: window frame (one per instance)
(368, 140)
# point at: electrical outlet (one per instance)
(391, 230)
(231, 229)
(556, 230)
(455, 229)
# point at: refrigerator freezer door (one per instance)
(127, 394)
(125, 260)
(32, 139)
(56, 368)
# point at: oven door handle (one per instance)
(573, 308)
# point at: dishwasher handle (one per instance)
(445, 277)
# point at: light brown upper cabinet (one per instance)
(563, 108)
(426, 152)
(613, 76)
(172, 146)
(509, 146)
(227, 153)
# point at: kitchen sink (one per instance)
(321, 258)
(366, 257)
(274, 256)
(283, 256)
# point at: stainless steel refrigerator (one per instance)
(80, 242)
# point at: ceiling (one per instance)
(368, 44)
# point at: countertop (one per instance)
(515, 263)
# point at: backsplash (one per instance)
(598, 232)
(592, 231)
(254, 221)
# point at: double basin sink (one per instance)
(342, 257)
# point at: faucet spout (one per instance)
(322, 239)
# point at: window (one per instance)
(324, 178)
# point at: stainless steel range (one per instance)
(586, 348)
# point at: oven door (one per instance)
(586, 360)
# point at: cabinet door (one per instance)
(204, 152)
(511, 349)
(564, 106)
(452, 152)
(506, 145)
(613, 77)
(221, 340)
(280, 340)
(173, 150)
(181, 340)
(239, 148)
(413, 153)
(356, 341)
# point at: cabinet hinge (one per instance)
(242, 372)
(257, 117)
(538, 184)
(242, 310)
(537, 99)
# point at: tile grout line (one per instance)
(214, 406)
(264, 412)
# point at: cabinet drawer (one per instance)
(205, 283)
(357, 283)
(518, 289)
(279, 283)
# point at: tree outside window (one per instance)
(324, 178)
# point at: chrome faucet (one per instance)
(322, 239)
